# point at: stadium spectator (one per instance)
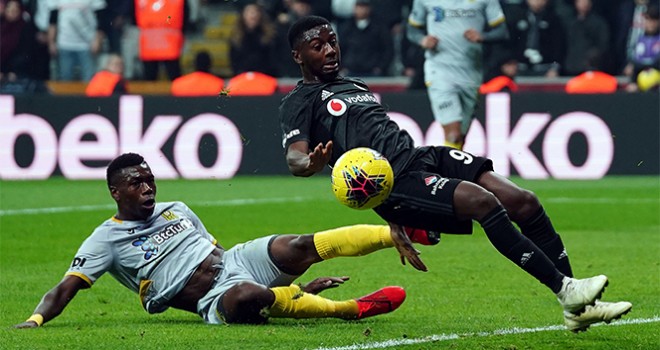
(115, 17)
(436, 188)
(252, 84)
(587, 33)
(201, 82)
(296, 9)
(592, 82)
(647, 49)
(17, 39)
(74, 37)
(412, 60)
(504, 80)
(368, 45)
(164, 253)
(453, 66)
(109, 81)
(161, 25)
(629, 26)
(252, 43)
(537, 38)
(40, 12)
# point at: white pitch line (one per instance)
(218, 203)
(508, 331)
(601, 200)
(252, 201)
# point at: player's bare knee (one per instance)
(244, 302)
(294, 253)
(528, 204)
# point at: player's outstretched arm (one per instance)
(54, 302)
(322, 283)
(304, 163)
(403, 244)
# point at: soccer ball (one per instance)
(362, 178)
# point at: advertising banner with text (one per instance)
(535, 136)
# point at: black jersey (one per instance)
(346, 112)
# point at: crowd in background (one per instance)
(71, 39)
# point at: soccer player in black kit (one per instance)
(436, 188)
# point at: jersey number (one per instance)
(461, 156)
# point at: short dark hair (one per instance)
(302, 25)
(203, 61)
(123, 161)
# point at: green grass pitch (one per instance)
(471, 298)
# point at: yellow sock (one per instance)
(352, 240)
(292, 302)
(457, 145)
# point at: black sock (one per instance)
(539, 230)
(519, 249)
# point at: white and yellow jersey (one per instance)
(448, 20)
(154, 257)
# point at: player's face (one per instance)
(318, 54)
(135, 193)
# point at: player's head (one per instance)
(315, 48)
(203, 62)
(132, 186)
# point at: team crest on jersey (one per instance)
(336, 107)
(168, 215)
(325, 94)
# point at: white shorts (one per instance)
(451, 100)
(249, 261)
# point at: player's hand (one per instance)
(319, 157)
(27, 324)
(429, 42)
(472, 35)
(322, 283)
(406, 250)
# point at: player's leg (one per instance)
(468, 97)
(294, 254)
(446, 107)
(252, 303)
(524, 208)
(260, 273)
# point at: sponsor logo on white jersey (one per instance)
(336, 107)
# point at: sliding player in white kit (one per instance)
(164, 253)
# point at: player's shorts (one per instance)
(423, 193)
(451, 102)
(246, 262)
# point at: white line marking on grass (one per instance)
(218, 203)
(601, 200)
(252, 201)
(508, 331)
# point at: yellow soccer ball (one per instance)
(362, 178)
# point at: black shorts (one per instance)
(423, 193)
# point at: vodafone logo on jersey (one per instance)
(336, 107)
